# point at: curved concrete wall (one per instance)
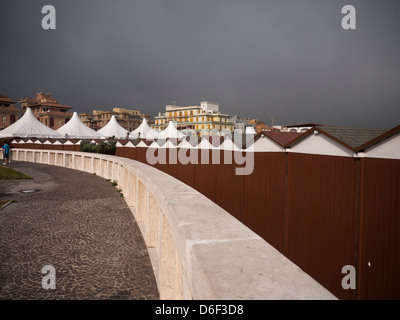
(198, 250)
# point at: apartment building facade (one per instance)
(127, 118)
(8, 112)
(204, 117)
(47, 110)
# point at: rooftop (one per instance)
(5, 98)
(282, 138)
(354, 137)
(309, 124)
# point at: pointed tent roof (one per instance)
(29, 126)
(250, 130)
(75, 128)
(169, 143)
(113, 128)
(143, 143)
(171, 132)
(144, 131)
(228, 144)
(157, 144)
(205, 143)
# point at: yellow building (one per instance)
(205, 116)
(128, 119)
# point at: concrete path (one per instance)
(79, 224)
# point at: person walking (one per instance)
(6, 153)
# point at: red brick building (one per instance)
(8, 112)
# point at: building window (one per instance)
(51, 122)
(4, 119)
(12, 119)
(66, 120)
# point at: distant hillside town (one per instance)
(204, 117)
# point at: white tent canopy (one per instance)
(113, 129)
(144, 132)
(75, 128)
(29, 126)
(250, 130)
(171, 132)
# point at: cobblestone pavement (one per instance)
(79, 224)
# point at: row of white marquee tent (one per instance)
(385, 145)
(28, 126)
(316, 141)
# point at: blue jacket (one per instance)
(6, 148)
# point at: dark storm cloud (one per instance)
(287, 59)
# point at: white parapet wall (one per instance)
(197, 249)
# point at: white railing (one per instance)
(197, 249)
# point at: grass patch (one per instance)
(105, 147)
(4, 202)
(10, 174)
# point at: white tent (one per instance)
(187, 144)
(113, 129)
(171, 132)
(250, 130)
(143, 132)
(205, 143)
(228, 144)
(29, 126)
(75, 128)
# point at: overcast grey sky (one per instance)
(289, 59)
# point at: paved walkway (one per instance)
(77, 223)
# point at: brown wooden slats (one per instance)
(379, 262)
(141, 154)
(322, 212)
(321, 217)
(205, 175)
(185, 172)
(264, 197)
(229, 186)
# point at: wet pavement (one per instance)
(77, 223)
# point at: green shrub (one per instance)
(104, 147)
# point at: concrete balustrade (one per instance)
(197, 249)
